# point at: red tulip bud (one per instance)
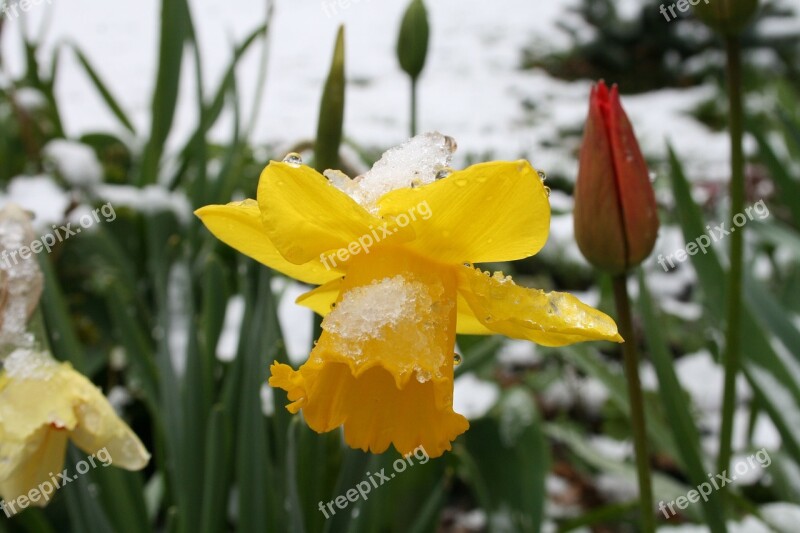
(616, 219)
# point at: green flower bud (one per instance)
(412, 44)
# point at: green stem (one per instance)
(733, 332)
(631, 357)
(413, 106)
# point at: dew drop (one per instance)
(457, 359)
(450, 144)
(333, 305)
(444, 172)
(542, 175)
(423, 376)
(293, 159)
(547, 191)
(416, 182)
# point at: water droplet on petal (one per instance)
(423, 376)
(457, 359)
(542, 175)
(293, 159)
(444, 172)
(547, 191)
(450, 144)
(416, 182)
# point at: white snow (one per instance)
(517, 352)
(40, 195)
(296, 321)
(472, 86)
(371, 311)
(75, 162)
(703, 378)
(30, 99)
(473, 397)
(617, 450)
(783, 515)
(24, 363)
(267, 395)
(228, 342)
(418, 161)
(149, 199)
(119, 397)
(179, 321)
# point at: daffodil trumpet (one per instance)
(383, 366)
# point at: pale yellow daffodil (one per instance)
(43, 404)
(393, 253)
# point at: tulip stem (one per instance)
(733, 332)
(636, 399)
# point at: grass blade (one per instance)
(104, 91)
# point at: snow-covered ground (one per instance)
(472, 87)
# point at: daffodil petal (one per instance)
(549, 319)
(466, 321)
(488, 212)
(48, 448)
(322, 298)
(239, 225)
(305, 216)
(99, 429)
(48, 399)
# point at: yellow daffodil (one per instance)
(44, 403)
(393, 252)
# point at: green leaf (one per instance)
(219, 448)
(175, 31)
(85, 511)
(507, 459)
(590, 362)
(122, 495)
(481, 353)
(261, 502)
(331, 111)
(394, 504)
(677, 405)
(102, 88)
(788, 187)
(353, 470)
(664, 488)
(772, 381)
(317, 460)
(65, 344)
